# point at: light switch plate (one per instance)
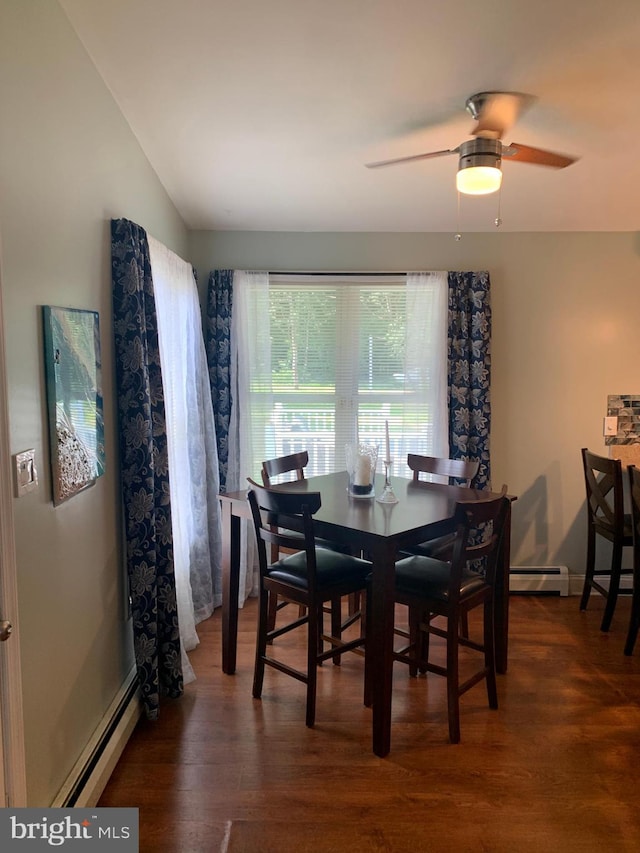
(25, 472)
(610, 425)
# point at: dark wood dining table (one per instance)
(381, 531)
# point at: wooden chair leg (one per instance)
(261, 644)
(490, 654)
(314, 627)
(273, 598)
(464, 624)
(274, 606)
(336, 625)
(423, 647)
(415, 640)
(354, 610)
(354, 603)
(272, 610)
(614, 586)
(590, 567)
(453, 694)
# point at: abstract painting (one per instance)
(74, 399)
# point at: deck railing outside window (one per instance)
(313, 430)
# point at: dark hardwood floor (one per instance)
(555, 768)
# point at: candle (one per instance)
(386, 429)
(362, 473)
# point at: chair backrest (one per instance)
(279, 518)
(283, 465)
(460, 469)
(605, 496)
(484, 520)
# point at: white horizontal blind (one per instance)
(348, 353)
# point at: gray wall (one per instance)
(68, 163)
(564, 337)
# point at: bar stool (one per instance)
(449, 588)
(310, 577)
(295, 463)
(606, 518)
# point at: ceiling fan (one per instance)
(480, 159)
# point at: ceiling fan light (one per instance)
(478, 180)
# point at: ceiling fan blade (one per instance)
(526, 154)
(413, 157)
(496, 112)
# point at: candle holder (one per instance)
(361, 465)
(388, 496)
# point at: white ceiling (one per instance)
(260, 114)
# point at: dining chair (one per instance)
(310, 577)
(634, 620)
(295, 463)
(458, 472)
(606, 518)
(430, 588)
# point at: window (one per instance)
(333, 356)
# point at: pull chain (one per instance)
(498, 219)
(458, 235)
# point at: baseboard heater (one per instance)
(91, 773)
(539, 580)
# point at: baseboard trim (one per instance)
(576, 582)
(88, 779)
(539, 580)
(626, 582)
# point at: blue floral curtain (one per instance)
(144, 468)
(469, 371)
(218, 340)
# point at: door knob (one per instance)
(5, 630)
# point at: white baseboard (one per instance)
(537, 580)
(576, 582)
(626, 582)
(88, 779)
(521, 582)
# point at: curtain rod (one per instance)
(312, 272)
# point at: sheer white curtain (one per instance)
(250, 371)
(426, 348)
(193, 461)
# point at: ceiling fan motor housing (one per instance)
(480, 152)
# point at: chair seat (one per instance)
(429, 578)
(433, 548)
(332, 569)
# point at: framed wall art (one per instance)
(74, 399)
